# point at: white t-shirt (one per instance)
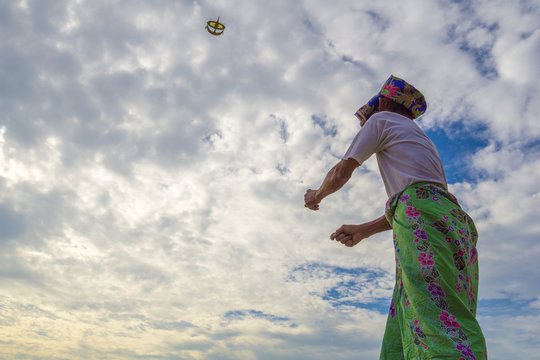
(404, 152)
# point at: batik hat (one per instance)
(399, 91)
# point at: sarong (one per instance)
(433, 309)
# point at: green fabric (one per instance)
(433, 309)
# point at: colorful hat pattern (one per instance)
(399, 91)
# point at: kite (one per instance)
(215, 27)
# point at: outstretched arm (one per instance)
(335, 179)
(350, 235)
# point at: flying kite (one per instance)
(215, 27)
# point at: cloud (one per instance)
(151, 175)
(12, 223)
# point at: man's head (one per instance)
(386, 104)
(398, 96)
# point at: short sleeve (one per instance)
(366, 142)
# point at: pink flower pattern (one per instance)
(412, 211)
(449, 320)
(462, 247)
(426, 259)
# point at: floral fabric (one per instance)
(433, 308)
(399, 91)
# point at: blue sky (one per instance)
(456, 145)
(152, 175)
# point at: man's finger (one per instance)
(344, 238)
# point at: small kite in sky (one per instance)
(215, 27)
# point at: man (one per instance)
(433, 308)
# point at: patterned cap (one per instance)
(399, 91)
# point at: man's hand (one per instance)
(311, 200)
(350, 235)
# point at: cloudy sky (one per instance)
(152, 175)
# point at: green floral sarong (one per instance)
(433, 308)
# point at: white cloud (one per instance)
(151, 175)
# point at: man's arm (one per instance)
(351, 235)
(335, 179)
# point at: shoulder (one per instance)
(391, 121)
(384, 121)
(390, 116)
(377, 120)
(395, 127)
(387, 118)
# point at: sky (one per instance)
(152, 175)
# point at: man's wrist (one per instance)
(378, 225)
(318, 196)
